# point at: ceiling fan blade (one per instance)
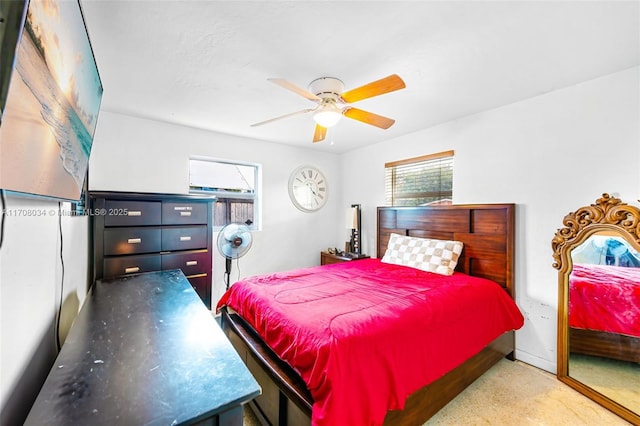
(368, 117)
(375, 88)
(319, 133)
(304, 111)
(295, 89)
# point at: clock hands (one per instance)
(309, 185)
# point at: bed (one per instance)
(309, 393)
(604, 311)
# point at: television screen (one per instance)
(12, 14)
(52, 104)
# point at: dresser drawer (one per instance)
(191, 263)
(132, 213)
(184, 237)
(184, 213)
(131, 240)
(123, 265)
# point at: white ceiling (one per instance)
(205, 63)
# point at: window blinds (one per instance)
(419, 181)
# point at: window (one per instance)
(420, 181)
(234, 184)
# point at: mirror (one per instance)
(597, 255)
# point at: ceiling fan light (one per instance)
(327, 117)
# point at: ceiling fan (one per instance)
(333, 102)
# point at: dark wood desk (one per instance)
(144, 349)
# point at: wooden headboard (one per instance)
(487, 231)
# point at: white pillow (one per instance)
(438, 256)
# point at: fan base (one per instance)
(326, 86)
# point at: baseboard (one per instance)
(536, 361)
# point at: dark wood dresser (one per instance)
(135, 232)
(145, 351)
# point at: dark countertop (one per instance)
(143, 350)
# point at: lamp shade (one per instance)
(351, 219)
(328, 116)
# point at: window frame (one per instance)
(229, 197)
(445, 157)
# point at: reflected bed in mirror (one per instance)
(604, 318)
(597, 255)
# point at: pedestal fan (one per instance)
(234, 241)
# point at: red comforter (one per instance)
(605, 298)
(364, 335)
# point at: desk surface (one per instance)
(143, 350)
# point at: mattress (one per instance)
(605, 298)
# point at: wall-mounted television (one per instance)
(48, 119)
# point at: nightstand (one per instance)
(327, 258)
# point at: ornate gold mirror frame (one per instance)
(609, 217)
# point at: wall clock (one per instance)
(308, 188)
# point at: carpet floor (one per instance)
(514, 394)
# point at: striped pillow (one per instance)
(438, 256)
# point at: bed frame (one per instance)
(604, 344)
(488, 234)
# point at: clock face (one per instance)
(308, 188)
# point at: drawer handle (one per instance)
(187, 238)
(134, 213)
(185, 213)
(192, 262)
(134, 240)
(131, 270)
(196, 276)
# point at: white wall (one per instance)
(133, 154)
(550, 155)
(31, 288)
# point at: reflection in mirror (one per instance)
(597, 256)
(604, 318)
